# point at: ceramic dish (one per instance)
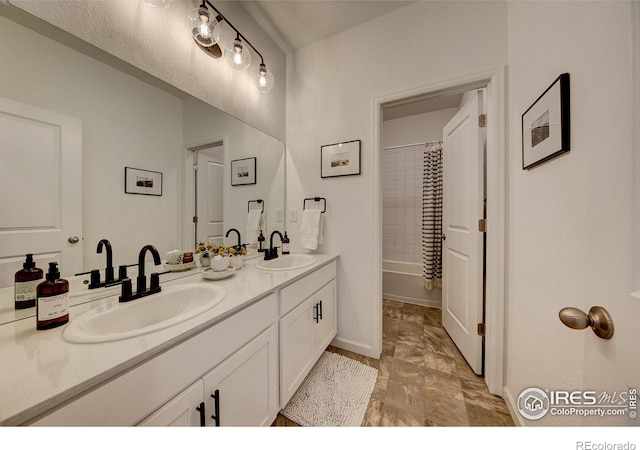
(210, 274)
(180, 267)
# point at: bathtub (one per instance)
(402, 281)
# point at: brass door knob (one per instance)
(598, 319)
(73, 239)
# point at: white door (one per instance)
(462, 245)
(210, 195)
(613, 256)
(40, 189)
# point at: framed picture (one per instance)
(545, 125)
(144, 182)
(243, 171)
(341, 159)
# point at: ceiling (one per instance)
(294, 24)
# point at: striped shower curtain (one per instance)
(432, 216)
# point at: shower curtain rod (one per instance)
(439, 141)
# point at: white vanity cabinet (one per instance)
(238, 354)
(308, 324)
(241, 391)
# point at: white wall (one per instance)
(159, 42)
(125, 122)
(560, 248)
(330, 92)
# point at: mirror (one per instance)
(130, 119)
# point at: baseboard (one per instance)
(513, 407)
(414, 301)
(356, 347)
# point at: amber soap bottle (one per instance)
(53, 300)
(285, 244)
(25, 284)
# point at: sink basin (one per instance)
(286, 262)
(172, 305)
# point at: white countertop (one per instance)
(41, 370)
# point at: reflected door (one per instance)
(40, 189)
(209, 195)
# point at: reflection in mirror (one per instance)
(126, 118)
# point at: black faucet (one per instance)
(141, 281)
(272, 252)
(108, 271)
(239, 239)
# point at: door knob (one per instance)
(444, 237)
(598, 319)
(73, 239)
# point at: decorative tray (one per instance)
(210, 274)
(180, 267)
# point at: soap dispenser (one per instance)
(261, 240)
(25, 284)
(285, 244)
(53, 300)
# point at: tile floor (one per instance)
(423, 380)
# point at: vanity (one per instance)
(235, 364)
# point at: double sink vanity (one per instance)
(230, 352)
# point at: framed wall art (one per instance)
(243, 171)
(546, 125)
(341, 159)
(144, 182)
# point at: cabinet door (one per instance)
(296, 348)
(243, 390)
(326, 324)
(181, 410)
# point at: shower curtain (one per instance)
(432, 216)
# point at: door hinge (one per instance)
(482, 225)
(480, 329)
(482, 120)
(195, 219)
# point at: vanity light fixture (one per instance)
(205, 30)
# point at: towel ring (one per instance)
(316, 199)
(259, 201)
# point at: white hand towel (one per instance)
(254, 221)
(311, 229)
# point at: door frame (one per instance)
(188, 179)
(495, 82)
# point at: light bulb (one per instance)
(238, 55)
(264, 79)
(204, 26)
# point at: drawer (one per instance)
(292, 295)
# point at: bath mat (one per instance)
(335, 393)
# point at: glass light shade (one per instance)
(264, 79)
(238, 55)
(204, 26)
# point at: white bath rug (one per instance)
(335, 393)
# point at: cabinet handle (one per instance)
(202, 414)
(320, 310)
(316, 316)
(216, 407)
